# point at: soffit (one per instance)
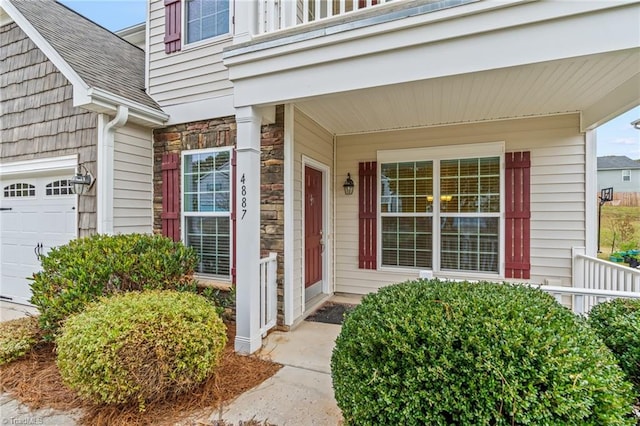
(556, 87)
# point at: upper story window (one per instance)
(626, 175)
(206, 19)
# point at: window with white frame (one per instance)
(206, 213)
(206, 19)
(442, 209)
(626, 175)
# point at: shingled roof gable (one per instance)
(100, 58)
(617, 162)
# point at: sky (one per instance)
(616, 137)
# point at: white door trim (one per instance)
(326, 221)
(39, 165)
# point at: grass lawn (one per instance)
(612, 216)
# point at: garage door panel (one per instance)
(41, 219)
(10, 254)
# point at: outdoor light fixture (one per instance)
(81, 182)
(348, 185)
(606, 195)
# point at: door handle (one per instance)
(38, 250)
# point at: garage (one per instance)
(37, 212)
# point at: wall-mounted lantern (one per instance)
(82, 182)
(348, 185)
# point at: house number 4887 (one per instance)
(243, 193)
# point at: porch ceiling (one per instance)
(584, 84)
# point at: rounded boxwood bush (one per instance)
(618, 324)
(17, 337)
(140, 346)
(87, 268)
(444, 353)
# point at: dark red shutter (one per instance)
(172, 25)
(367, 210)
(171, 196)
(363, 3)
(517, 215)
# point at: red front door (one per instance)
(312, 226)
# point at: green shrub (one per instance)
(87, 268)
(442, 353)
(17, 337)
(140, 346)
(618, 324)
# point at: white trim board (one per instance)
(39, 165)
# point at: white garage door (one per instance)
(36, 213)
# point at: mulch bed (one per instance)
(34, 380)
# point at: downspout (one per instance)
(105, 179)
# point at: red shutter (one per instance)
(171, 196)
(363, 3)
(172, 25)
(367, 215)
(517, 215)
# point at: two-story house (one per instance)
(466, 127)
(618, 172)
(368, 142)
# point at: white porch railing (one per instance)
(280, 14)
(596, 281)
(268, 292)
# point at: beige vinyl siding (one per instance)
(313, 141)
(132, 180)
(193, 74)
(557, 191)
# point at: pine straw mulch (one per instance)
(34, 380)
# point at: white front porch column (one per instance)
(248, 338)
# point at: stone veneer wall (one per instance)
(220, 132)
(38, 117)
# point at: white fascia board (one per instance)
(39, 165)
(363, 28)
(79, 86)
(205, 109)
(104, 99)
(618, 101)
(462, 21)
(526, 44)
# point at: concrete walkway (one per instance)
(300, 394)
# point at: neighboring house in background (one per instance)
(72, 95)
(618, 172)
(480, 120)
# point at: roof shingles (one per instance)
(617, 162)
(100, 58)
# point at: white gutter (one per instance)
(108, 100)
(106, 149)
